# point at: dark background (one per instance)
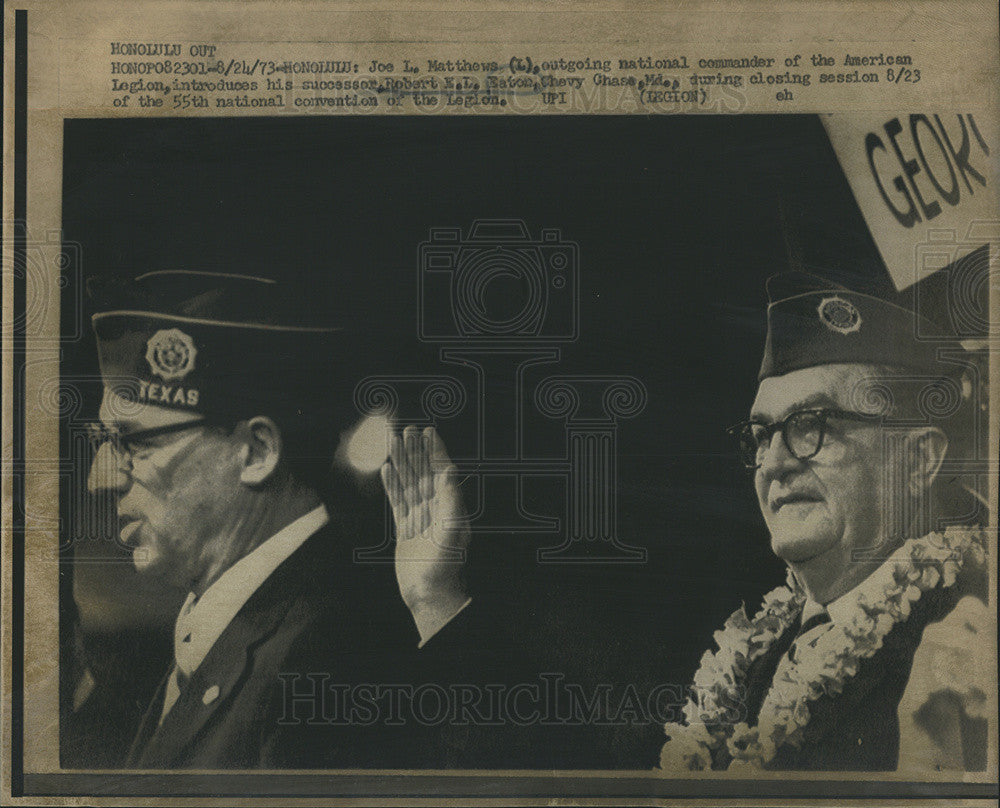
(678, 222)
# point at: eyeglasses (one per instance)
(125, 444)
(802, 431)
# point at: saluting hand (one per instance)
(432, 527)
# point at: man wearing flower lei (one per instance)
(876, 654)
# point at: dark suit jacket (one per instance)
(858, 729)
(319, 669)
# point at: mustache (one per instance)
(776, 502)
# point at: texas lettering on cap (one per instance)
(212, 343)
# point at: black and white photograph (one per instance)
(520, 466)
(467, 453)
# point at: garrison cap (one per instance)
(214, 343)
(811, 321)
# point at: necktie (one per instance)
(817, 619)
(182, 641)
(181, 674)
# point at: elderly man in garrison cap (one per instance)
(845, 462)
(220, 415)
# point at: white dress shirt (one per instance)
(202, 620)
(840, 610)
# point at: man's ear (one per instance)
(262, 450)
(927, 446)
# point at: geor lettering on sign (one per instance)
(916, 176)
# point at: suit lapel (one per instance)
(222, 671)
(195, 705)
(148, 725)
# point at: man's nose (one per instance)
(777, 460)
(106, 472)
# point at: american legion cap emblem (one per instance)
(170, 354)
(839, 315)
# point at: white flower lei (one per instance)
(882, 601)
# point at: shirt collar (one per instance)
(202, 620)
(840, 610)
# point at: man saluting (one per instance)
(221, 411)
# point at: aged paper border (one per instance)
(957, 40)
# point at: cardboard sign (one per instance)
(925, 183)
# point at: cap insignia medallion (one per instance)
(170, 353)
(839, 315)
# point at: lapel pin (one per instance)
(210, 695)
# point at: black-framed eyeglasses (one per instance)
(802, 431)
(125, 444)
